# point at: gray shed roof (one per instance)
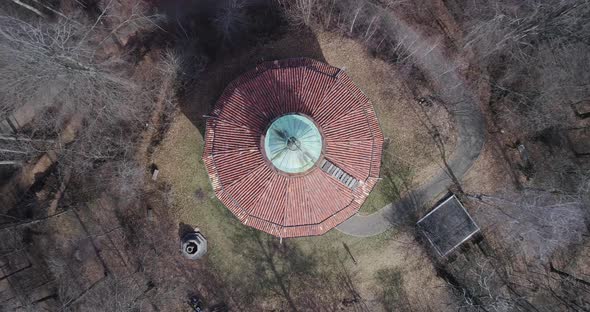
(447, 226)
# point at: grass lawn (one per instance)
(311, 271)
(238, 252)
(409, 157)
(396, 180)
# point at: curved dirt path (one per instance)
(444, 75)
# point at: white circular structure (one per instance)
(293, 143)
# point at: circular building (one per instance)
(293, 147)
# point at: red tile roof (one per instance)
(275, 202)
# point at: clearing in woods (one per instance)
(257, 264)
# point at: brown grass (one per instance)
(232, 245)
(410, 156)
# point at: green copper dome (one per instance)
(293, 143)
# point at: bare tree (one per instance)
(51, 69)
(231, 20)
(534, 224)
(543, 53)
(526, 233)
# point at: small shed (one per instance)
(447, 226)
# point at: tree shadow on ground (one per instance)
(408, 208)
(397, 177)
(184, 229)
(392, 294)
(217, 41)
(437, 137)
(397, 182)
(198, 98)
(159, 260)
(299, 280)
